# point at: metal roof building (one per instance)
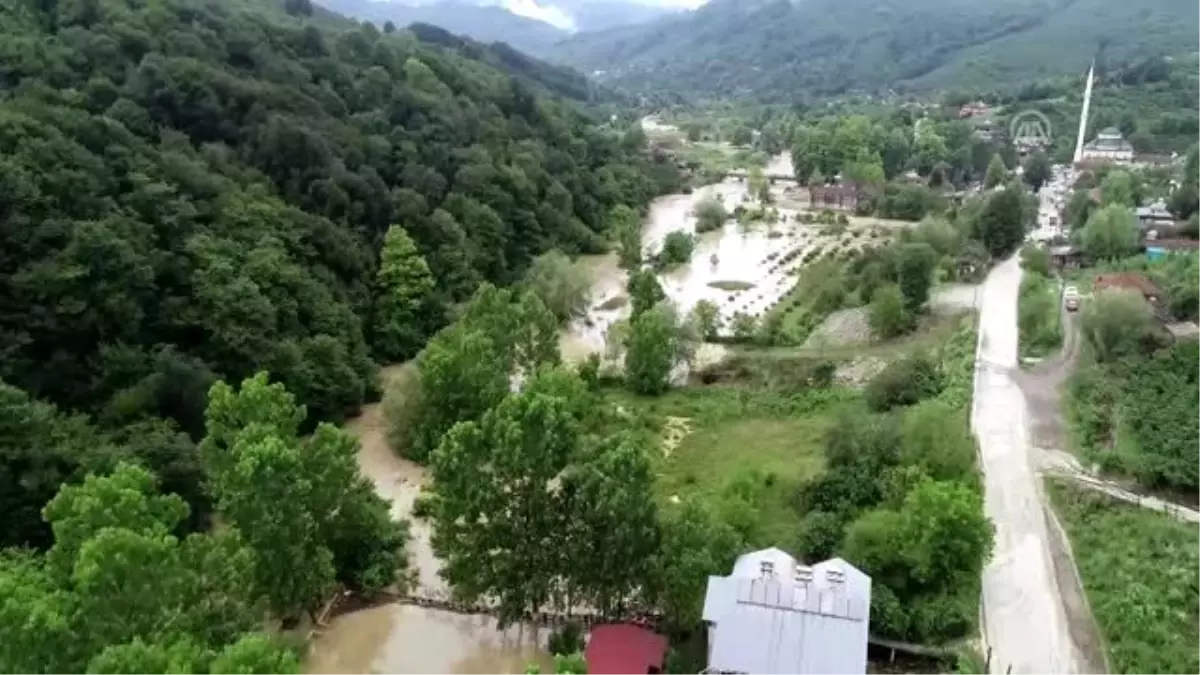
(775, 615)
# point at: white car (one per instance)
(1071, 298)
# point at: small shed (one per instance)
(1065, 257)
(615, 648)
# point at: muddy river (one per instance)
(407, 639)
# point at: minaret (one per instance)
(1083, 114)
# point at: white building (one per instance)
(776, 615)
(1109, 145)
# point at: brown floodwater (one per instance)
(408, 639)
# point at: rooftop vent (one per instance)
(804, 575)
(835, 576)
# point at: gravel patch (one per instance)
(842, 328)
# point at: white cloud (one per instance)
(547, 13)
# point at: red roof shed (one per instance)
(624, 649)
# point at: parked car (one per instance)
(1071, 298)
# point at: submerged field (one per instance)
(1139, 570)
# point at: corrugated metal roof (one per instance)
(777, 624)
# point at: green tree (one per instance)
(628, 228)
(1115, 323)
(613, 534)
(914, 267)
(997, 173)
(463, 375)
(696, 543)
(177, 654)
(707, 318)
(563, 286)
(650, 352)
(495, 507)
(404, 310)
(677, 248)
(1035, 260)
(256, 654)
(536, 330)
(710, 215)
(888, 315)
(757, 185)
(743, 326)
(1001, 225)
(644, 292)
(937, 440)
(36, 618)
(296, 498)
(1036, 170)
(1111, 233)
(1119, 188)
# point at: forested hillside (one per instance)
(193, 191)
(776, 49)
(486, 23)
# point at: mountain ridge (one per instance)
(777, 49)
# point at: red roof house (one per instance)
(624, 649)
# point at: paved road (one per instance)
(1025, 616)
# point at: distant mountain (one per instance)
(777, 49)
(532, 26)
(482, 22)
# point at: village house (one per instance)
(1128, 282)
(773, 614)
(1154, 216)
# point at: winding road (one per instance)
(1027, 608)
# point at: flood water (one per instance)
(407, 639)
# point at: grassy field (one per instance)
(762, 439)
(1139, 570)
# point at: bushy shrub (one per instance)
(904, 382)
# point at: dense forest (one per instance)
(775, 50)
(194, 191)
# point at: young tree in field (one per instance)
(1111, 233)
(563, 286)
(651, 351)
(1037, 170)
(1035, 260)
(996, 173)
(937, 439)
(914, 266)
(403, 304)
(498, 509)
(644, 292)
(887, 314)
(707, 319)
(758, 185)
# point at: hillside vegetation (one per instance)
(775, 49)
(196, 191)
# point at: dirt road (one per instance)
(1026, 617)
